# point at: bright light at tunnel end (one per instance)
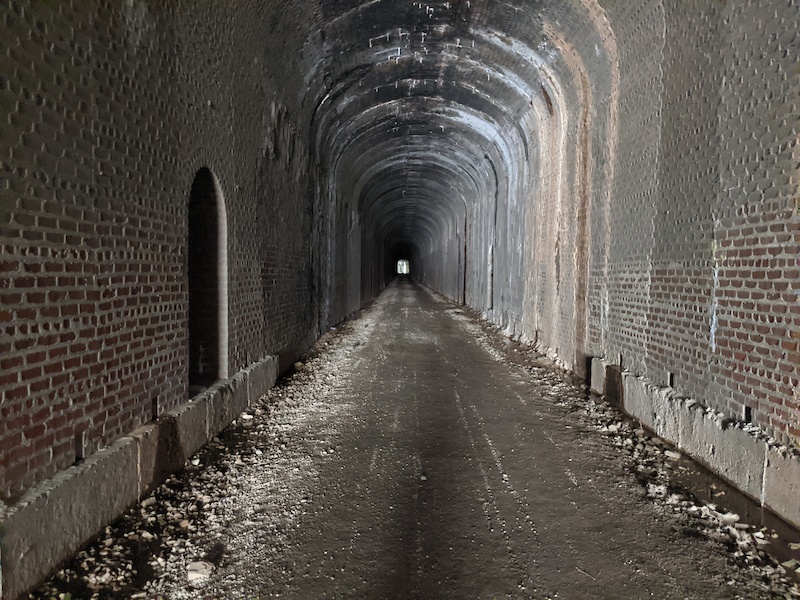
(403, 267)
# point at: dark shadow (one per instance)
(203, 271)
(169, 453)
(613, 390)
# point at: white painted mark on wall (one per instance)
(714, 301)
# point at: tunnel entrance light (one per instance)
(403, 267)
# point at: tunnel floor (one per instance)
(410, 457)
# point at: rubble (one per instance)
(654, 465)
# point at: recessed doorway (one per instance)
(208, 283)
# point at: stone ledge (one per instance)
(597, 376)
(744, 459)
(781, 492)
(56, 518)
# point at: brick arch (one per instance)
(207, 282)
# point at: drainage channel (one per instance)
(755, 535)
(780, 539)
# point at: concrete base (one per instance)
(56, 518)
(747, 460)
(597, 380)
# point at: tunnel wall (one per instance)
(661, 218)
(109, 112)
(110, 109)
(702, 275)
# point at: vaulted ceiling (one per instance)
(423, 113)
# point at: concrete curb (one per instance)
(56, 518)
(750, 462)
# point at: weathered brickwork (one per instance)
(109, 111)
(693, 204)
(706, 305)
(756, 319)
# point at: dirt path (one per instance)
(408, 459)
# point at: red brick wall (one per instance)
(88, 332)
(758, 319)
(109, 111)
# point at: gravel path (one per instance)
(416, 454)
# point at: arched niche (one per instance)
(208, 283)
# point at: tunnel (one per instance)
(193, 193)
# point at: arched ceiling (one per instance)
(422, 111)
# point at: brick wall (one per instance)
(663, 189)
(756, 320)
(709, 301)
(109, 111)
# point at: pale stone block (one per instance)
(782, 485)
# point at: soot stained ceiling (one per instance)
(430, 117)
